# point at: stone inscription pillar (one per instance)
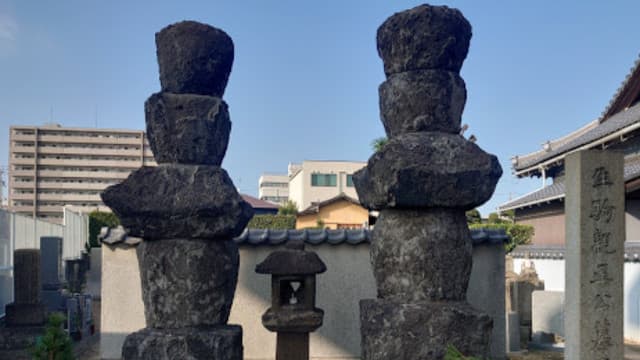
(186, 209)
(595, 235)
(422, 181)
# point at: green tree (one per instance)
(288, 208)
(98, 220)
(269, 221)
(473, 216)
(494, 218)
(55, 344)
(379, 143)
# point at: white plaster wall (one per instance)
(347, 280)
(549, 270)
(552, 272)
(296, 190)
(122, 311)
(301, 191)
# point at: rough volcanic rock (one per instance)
(179, 201)
(194, 58)
(292, 319)
(425, 100)
(187, 283)
(221, 342)
(425, 37)
(430, 169)
(421, 330)
(421, 254)
(187, 129)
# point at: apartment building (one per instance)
(273, 188)
(314, 181)
(52, 166)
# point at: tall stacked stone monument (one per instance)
(422, 181)
(186, 209)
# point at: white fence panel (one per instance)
(6, 261)
(28, 231)
(75, 234)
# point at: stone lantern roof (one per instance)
(292, 260)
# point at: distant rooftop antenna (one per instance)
(95, 116)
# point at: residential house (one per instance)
(338, 212)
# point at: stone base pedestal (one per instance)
(18, 338)
(24, 314)
(422, 330)
(216, 343)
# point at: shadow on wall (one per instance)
(348, 279)
(109, 343)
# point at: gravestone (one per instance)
(51, 260)
(27, 308)
(595, 235)
(525, 284)
(422, 181)
(186, 210)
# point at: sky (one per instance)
(306, 73)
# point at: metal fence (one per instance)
(24, 232)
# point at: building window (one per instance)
(350, 180)
(323, 180)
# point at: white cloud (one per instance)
(8, 27)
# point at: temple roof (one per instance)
(619, 119)
(555, 191)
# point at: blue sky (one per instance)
(305, 77)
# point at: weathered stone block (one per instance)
(179, 201)
(194, 58)
(187, 283)
(187, 129)
(425, 37)
(24, 314)
(26, 276)
(412, 252)
(221, 342)
(426, 100)
(429, 169)
(421, 330)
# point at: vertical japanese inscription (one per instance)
(602, 213)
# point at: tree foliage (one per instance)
(473, 217)
(269, 221)
(55, 344)
(98, 220)
(288, 208)
(379, 143)
(518, 234)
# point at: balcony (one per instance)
(91, 163)
(61, 139)
(69, 197)
(82, 174)
(58, 150)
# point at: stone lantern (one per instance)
(292, 314)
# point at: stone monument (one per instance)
(186, 209)
(422, 181)
(595, 234)
(27, 308)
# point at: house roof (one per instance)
(272, 237)
(619, 118)
(267, 237)
(314, 208)
(592, 135)
(258, 203)
(555, 191)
